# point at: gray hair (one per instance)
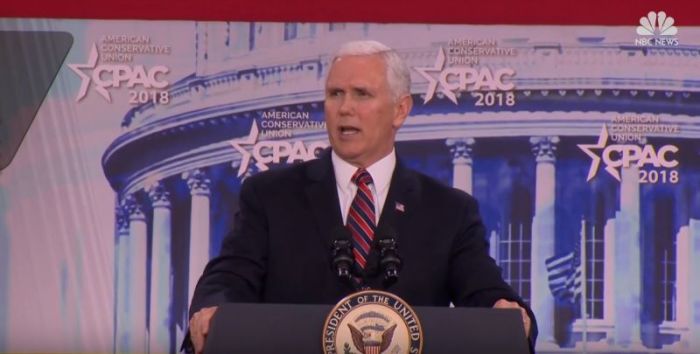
(397, 74)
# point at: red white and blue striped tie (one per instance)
(361, 217)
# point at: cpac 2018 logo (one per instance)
(625, 155)
(107, 76)
(266, 152)
(454, 79)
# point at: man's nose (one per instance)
(347, 106)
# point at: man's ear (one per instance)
(403, 109)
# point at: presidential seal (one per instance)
(372, 322)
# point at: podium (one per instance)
(281, 328)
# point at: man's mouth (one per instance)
(348, 130)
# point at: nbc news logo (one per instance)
(657, 29)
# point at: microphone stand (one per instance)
(389, 262)
(343, 261)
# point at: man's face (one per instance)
(362, 117)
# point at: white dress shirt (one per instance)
(381, 172)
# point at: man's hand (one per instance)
(199, 327)
(505, 304)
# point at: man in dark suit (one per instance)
(279, 248)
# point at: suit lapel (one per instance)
(322, 195)
(401, 200)
(400, 204)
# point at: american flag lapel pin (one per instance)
(400, 207)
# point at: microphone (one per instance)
(389, 259)
(341, 252)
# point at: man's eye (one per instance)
(362, 93)
(335, 93)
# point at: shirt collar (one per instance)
(380, 171)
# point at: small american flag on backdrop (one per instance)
(400, 207)
(565, 275)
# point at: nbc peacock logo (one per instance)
(648, 25)
(657, 29)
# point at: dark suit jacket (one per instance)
(279, 249)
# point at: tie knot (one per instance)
(361, 176)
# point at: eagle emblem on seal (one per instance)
(371, 341)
